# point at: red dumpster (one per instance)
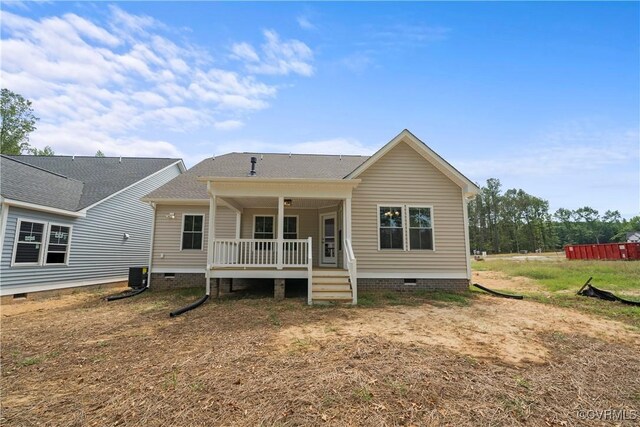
(608, 251)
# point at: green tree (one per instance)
(46, 151)
(18, 121)
(99, 153)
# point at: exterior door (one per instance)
(328, 233)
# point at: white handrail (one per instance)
(260, 252)
(352, 266)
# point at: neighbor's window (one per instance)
(391, 229)
(58, 246)
(263, 227)
(420, 228)
(290, 228)
(192, 232)
(29, 243)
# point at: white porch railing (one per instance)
(261, 253)
(352, 266)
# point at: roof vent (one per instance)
(252, 172)
(120, 160)
(73, 157)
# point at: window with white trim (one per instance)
(192, 232)
(58, 244)
(420, 228)
(263, 227)
(290, 228)
(405, 227)
(391, 230)
(29, 242)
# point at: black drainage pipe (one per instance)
(191, 306)
(126, 294)
(498, 294)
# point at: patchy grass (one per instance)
(559, 281)
(609, 309)
(559, 275)
(226, 364)
(369, 299)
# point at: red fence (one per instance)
(610, 251)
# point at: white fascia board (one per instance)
(180, 164)
(42, 208)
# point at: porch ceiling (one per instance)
(272, 202)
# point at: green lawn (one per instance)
(563, 274)
(555, 276)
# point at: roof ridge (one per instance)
(12, 156)
(294, 154)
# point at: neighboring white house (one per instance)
(395, 220)
(68, 221)
(633, 237)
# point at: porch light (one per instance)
(288, 202)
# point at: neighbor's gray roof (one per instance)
(26, 183)
(98, 177)
(308, 166)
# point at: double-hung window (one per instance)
(263, 227)
(29, 243)
(41, 243)
(58, 244)
(405, 227)
(391, 230)
(420, 228)
(290, 229)
(192, 231)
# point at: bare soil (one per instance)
(82, 361)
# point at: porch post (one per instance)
(212, 228)
(211, 235)
(347, 221)
(280, 230)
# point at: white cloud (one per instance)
(305, 23)
(276, 57)
(244, 51)
(331, 146)
(96, 85)
(228, 124)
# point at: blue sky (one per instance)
(543, 96)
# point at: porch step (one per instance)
(329, 279)
(330, 273)
(332, 296)
(331, 285)
(334, 287)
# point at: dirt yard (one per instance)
(472, 360)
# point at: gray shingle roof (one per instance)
(99, 177)
(26, 183)
(308, 166)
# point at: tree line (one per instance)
(515, 221)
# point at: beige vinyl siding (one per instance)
(168, 235)
(402, 177)
(308, 223)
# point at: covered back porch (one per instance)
(286, 229)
